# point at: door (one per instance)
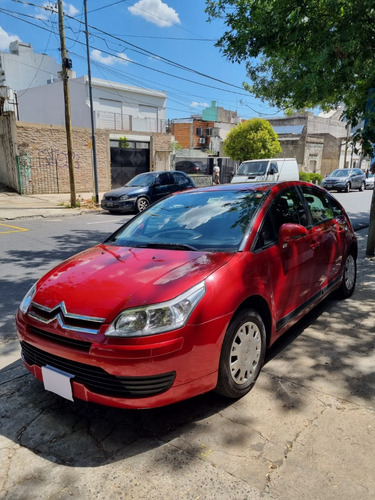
(128, 162)
(290, 268)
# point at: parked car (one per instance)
(188, 295)
(271, 169)
(191, 167)
(370, 181)
(345, 179)
(145, 189)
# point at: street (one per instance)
(305, 430)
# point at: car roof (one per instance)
(253, 186)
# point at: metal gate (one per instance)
(39, 175)
(126, 163)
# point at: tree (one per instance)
(251, 140)
(307, 54)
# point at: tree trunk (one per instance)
(370, 249)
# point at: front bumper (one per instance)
(129, 373)
(337, 186)
(119, 206)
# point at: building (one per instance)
(22, 68)
(206, 132)
(130, 120)
(320, 143)
(116, 106)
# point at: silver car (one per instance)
(345, 179)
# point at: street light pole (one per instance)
(95, 167)
(68, 123)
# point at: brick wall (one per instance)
(43, 148)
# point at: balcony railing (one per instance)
(118, 121)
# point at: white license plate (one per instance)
(58, 382)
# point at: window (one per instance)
(165, 179)
(180, 180)
(287, 207)
(209, 131)
(198, 131)
(320, 205)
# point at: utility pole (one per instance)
(95, 167)
(65, 65)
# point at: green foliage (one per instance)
(310, 177)
(315, 53)
(251, 140)
(123, 143)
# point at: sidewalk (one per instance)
(16, 206)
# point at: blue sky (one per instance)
(159, 44)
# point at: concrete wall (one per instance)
(8, 165)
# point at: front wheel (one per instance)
(142, 204)
(242, 354)
(347, 188)
(349, 278)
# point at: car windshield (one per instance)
(339, 173)
(206, 221)
(252, 167)
(141, 180)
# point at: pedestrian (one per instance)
(216, 174)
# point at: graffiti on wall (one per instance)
(57, 158)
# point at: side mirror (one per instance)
(290, 232)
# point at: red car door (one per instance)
(292, 272)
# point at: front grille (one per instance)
(99, 381)
(67, 320)
(80, 345)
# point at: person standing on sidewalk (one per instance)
(216, 174)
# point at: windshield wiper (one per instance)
(172, 246)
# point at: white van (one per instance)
(269, 170)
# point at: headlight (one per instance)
(27, 299)
(157, 318)
(123, 197)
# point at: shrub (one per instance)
(310, 177)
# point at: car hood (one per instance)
(103, 280)
(130, 191)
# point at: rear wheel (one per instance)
(350, 277)
(242, 354)
(362, 188)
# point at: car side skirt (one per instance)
(294, 315)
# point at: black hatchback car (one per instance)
(145, 189)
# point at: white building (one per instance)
(116, 106)
(21, 68)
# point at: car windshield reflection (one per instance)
(204, 221)
(141, 180)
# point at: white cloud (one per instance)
(70, 9)
(156, 12)
(49, 7)
(6, 39)
(195, 104)
(96, 55)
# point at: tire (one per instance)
(362, 188)
(347, 188)
(349, 277)
(142, 204)
(242, 354)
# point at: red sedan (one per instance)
(188, 295)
